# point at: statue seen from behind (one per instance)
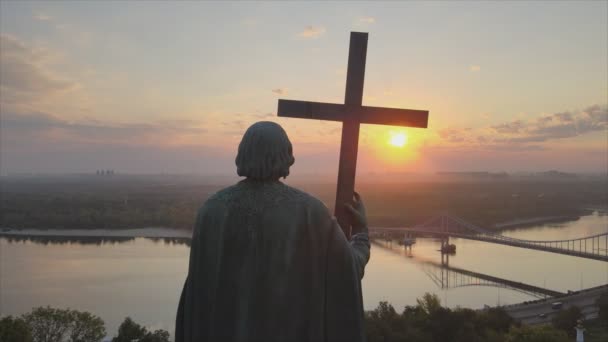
(268, 262)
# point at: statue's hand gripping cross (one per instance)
(351, 114)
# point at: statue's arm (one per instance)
(346, 262)
(360, 247)
(359, 242)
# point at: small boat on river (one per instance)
(448, 249)
(408, 241)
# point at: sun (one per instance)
(398, 139)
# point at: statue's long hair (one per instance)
(265, 152)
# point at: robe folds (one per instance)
(269, 263)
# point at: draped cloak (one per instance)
(269, 263)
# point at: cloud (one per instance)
(538, 130)
(45, 128)
(512, 127)
(367, 20)
(71, 33)
(556, 126)
(42, 17)
(25, 74)
(39, 142)
(45, 142)
(453, 135)
(475, 68)
(312, 32)
(280, 91)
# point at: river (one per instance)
(142, 277)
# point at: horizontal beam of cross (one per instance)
(361, 114)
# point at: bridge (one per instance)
(445, 226)
(448, 277)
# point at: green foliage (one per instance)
(130, 331)
(86, 327)
(57, 325)
(48, 324)
(429, 303)
(566, 319)
(428, 321)
(14, 329)
(156, 336)
(496, 319)
(596, 330)
(384, 324)
(542, 333)
(602, 303)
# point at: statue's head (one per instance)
(265, 153)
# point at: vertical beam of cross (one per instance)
(353, 99)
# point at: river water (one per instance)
(142, 278)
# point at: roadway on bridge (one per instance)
(531, 313)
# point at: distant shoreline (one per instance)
(522, 223)
(101, 233)
(173, 233)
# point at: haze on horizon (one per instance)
(171, 87)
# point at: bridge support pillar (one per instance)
(445, 259)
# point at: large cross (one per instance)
(351, 113)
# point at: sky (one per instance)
(170, 87)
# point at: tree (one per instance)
(496, 319)
(86, 327)
(429, 303)
(383, 323)
(129, 331)
(430, 322)
(602, 304)
(48, 324)
(157, 336)
(542, 333)
(57, 325)
(453, 325)
(566, 319)
(14, 329)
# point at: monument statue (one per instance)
(268, 262)
(580, 331)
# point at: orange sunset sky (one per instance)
(171, 87)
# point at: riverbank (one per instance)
(521, 223)
(172, 233)
(153, 232)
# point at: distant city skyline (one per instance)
(171, 87)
